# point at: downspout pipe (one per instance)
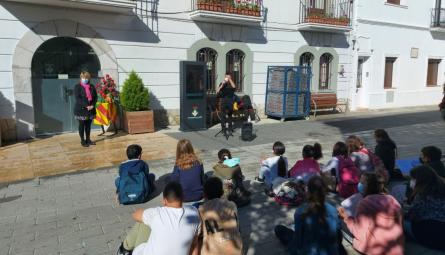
(438, 13)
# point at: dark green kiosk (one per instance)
(193, 96)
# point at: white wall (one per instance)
(153, 46)
(390, 31)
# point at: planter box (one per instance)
(139, 122)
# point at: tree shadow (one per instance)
(233, 33)
(319, 39)
(7, 127)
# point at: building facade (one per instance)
(45, 44)
(398, 49)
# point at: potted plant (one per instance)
(201, 5)
(135, 100)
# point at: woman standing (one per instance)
(84, 108)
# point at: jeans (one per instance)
(408, 229)
(284, 234)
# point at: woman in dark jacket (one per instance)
(85, 107)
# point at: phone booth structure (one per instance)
(193, 96)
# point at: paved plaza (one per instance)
(77, 213)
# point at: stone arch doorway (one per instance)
(55, 68)
(22, 64)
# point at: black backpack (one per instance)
(247, 131)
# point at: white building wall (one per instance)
(384, 30)
(153, 46)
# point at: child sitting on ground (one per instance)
(220, 229)
(135, 182)
(307, 167)
(269, 166)
(229, 171)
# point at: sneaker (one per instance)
(84, 143)
(123, 251)
(89, 142)
(269, 193)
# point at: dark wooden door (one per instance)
(389, 69)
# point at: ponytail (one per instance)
(282, 171)
(318, 154)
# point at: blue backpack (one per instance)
(133, 188)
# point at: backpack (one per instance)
(377, 163)
(291, 194)
(247, 131)
(349, 177)
(133, 188)
(236, 192)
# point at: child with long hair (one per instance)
(188, 171)
(307, 167)
(376, 225)
(343, 169)
(425, 220)
(317, 226)
(386, 149)
(271, 166)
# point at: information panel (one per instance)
(193, 96)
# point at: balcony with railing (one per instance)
(228, 11)
(325, 15)
(121, 6)
(438, 19)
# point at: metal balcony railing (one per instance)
(328, 12)
(240, 7)
(438, 18)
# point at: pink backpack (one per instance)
(348, 177)
(377, 163)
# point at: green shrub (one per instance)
(134, 96)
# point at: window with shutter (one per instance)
(389, 69)
(393, 2)
(433, 70)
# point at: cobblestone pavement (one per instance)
(77, 213)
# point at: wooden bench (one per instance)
(323, 101)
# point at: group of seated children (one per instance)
(370, 216)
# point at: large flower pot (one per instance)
(139, 122)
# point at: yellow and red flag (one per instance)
(105, 114)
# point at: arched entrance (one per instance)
(55, 68)
(23, 56)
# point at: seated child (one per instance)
(188, 171)
(229, 171)
(222, 170)
(220, 228)
(269, 166)
(309, 166)
(432, 156)
(137, 188)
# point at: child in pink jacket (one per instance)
(377, 227)
(308, 167)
